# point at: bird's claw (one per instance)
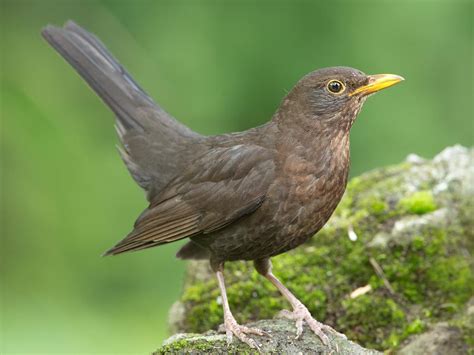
(301, 315)
(231, 328)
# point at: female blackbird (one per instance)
(241, 196)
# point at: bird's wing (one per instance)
(151, 138)
(218, 189)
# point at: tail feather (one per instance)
(151, 137)
(92, 61)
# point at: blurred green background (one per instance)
(218, 66)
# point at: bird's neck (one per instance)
(323, 147)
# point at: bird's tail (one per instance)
(150, 136)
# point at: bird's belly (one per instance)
(289, 217)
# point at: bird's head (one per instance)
(332, 97)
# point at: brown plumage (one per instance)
(241, 196)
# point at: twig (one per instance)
(380, 273)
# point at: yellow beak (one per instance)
(377, 83)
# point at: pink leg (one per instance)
(300, 313)
(230, 324)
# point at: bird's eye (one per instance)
(336, 87)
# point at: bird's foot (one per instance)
(301, 314)
(231, 328)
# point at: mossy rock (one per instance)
(281, 341)
(394, 260)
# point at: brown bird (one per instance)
(240, 196)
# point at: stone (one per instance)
(281, 341)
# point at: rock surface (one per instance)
(281, 341)
(392, 268)
(445, 337)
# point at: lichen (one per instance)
(425, 279)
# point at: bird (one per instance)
(247, 195)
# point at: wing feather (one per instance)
(220, 188)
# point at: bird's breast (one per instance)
(311, 186)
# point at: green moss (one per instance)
(200, 345)
(176, 346)
(415, 327)
(420, 202)
(374, 205)
(429, 275)
(369, 326)
(363, 183)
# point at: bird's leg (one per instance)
(300, 313)
(230, 324)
